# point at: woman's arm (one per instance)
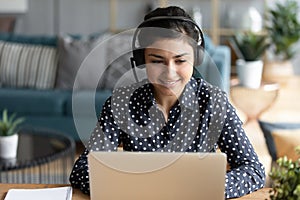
(246, 173)
(79, 177)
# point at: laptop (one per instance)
(156, 176)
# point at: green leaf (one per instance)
(9, 124)
(286, 179)
(250, 45)
(283, 27)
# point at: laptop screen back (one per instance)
(149, 175)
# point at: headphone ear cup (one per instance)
(139, 58)
(199, 54)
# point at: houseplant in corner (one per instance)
(283, 29)
(286, 179)
(249, 47)
(9, 135)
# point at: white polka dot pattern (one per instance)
(201, 121)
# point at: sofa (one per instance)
(40, 77)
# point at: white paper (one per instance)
(58, 193)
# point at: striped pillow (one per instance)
(30, 66)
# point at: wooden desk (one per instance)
(78, 195)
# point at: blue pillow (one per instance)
(30, 39)
(209, 46)
(267, 129)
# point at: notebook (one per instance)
(57, 193)
(155, 176)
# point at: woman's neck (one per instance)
(165, 104)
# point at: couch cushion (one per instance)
(209, 46)
(34, 102)
(73, 51)
(32, 39)
(117, 60)
(29, 66)
(85, 105)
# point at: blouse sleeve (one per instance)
(246, 173)
(105, 137)
(79, 177)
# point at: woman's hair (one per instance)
(178, 27)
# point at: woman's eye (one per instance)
(157, 61)
(180, 61)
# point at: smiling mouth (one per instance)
(169, 84)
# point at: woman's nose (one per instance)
(170, 67)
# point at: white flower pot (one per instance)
(9, 146)
(249, 73)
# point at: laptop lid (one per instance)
(153, 175)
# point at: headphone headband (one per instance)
(181, 18)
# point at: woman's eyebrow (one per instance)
(159, 56)
(180, 55)
(155, 55)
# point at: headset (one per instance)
(138, 59)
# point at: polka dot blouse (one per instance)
(202, 120)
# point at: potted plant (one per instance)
(283, 29)
(9, 135)
(286, 179)
(249, 47)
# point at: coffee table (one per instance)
(44, 156)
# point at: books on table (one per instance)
(57, 193)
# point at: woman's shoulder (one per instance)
(203, 87)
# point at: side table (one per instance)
(253, 102)
(44, 156)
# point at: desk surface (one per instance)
(78, 195)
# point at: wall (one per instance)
(90, 16)
(77, 16)
(38, 19)
(84, 17)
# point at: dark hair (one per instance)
(178, 27)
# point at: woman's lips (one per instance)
(169, 83)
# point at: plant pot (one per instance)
(249, 73)
(278, 71)
(9, 146)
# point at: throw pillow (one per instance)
(286, 141)
(73, 51)
(29, 66)
(267, 129)
(119, 51)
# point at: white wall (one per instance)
(38, 19)
(77, 16)
(90, 16)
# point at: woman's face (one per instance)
(169, 66)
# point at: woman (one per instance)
(171, 110)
